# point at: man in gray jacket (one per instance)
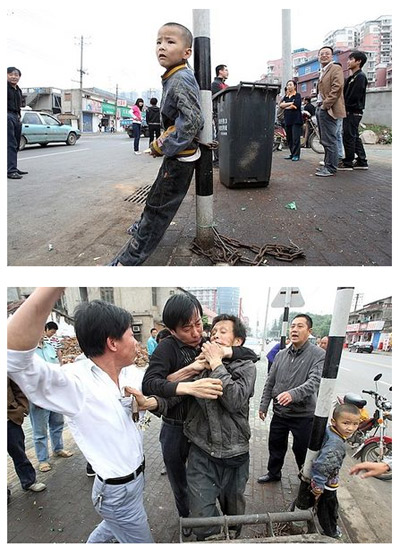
(219, 431)
(292, 384)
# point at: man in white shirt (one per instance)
(97, 406)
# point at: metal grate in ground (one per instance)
(140, 195)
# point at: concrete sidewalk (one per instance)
(340, 221)
(63, 513)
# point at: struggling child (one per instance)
(325, 468)
(181, 120)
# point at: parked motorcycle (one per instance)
(313, 141)
(313, 137)
(369, 440)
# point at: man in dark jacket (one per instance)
(292, 385)
(17, 409)
(355, 88)
(153, 120)
(219, 431)
(14, 103)
(171, 365)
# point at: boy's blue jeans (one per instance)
(16, 449)
(40, 420)
(163, 201)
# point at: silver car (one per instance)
(42, 128)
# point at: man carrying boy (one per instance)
(182, 120)
(326, 466)
(355, 88)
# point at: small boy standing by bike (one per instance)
(325, 468)
(182, 120)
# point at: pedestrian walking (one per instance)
(182, 121)
(137, 123)
(153, 120)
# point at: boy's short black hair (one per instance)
(50, 326)
(307, 317)
(307, 98)
(179, 309)
(347, 407)
(239, 329)
(95, 321)
(153, 101)
(186, 34)
(322, 47)
(357, 55)
(218, 68)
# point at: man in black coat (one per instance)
(354, 97)
(14, 103)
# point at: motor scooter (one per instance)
(369, 440)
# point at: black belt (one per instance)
(123, 479)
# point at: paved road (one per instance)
(74, 199)
(64, 513)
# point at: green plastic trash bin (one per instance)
(246, 117)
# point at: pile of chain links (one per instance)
(226, 250)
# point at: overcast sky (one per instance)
(318, 299)
(43, 38)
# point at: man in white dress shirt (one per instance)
(97, 405)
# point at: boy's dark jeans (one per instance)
(327, 512)
(175, 449)
(16, 449)
(163, 201)
(209, 481)
(351, 140)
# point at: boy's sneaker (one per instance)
(360, 166)
(342, 166)
(324, 172)
(338, 534)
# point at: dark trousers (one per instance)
(16, 449)
(328, 137)
(209, 481)
(327, 512)
(300, 427)
(351, 140)
(293, 134)
(13, 139)
(136, 136)
(154, 132)
(163, 201)
(175, 450)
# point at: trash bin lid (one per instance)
(248, 85)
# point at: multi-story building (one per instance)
(372, 323)
(207, 296)
(228, 300)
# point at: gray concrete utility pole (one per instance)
(287, 68)
(204, 170)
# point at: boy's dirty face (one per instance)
(171, 47)
(346, 423)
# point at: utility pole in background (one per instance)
(81, 73)
(287, 69)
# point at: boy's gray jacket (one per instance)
(181, 112)
(220, 427)
(297, 371)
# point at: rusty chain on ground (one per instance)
(226, 250)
